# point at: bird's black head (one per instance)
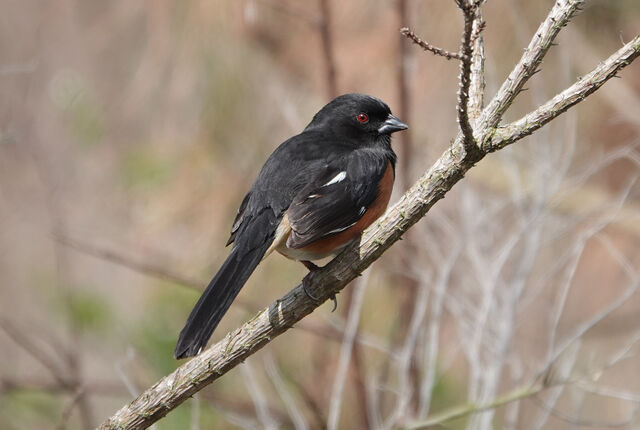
(357, 116)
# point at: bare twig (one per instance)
(327, 48)
(259, 397)
(429, 47)
(118, 258)
(560, 103)
(289, 401)
(101, 388)
(523, 392)
(429, 378)
(345, 352)
(469, 10)
(68, 409)
(468, 409)
(476, 86)
(36, 352)
(558, 17)
(408, 286)
(299, 13)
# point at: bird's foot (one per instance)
(305, 280)
(312, 268)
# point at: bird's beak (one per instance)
(391, 125)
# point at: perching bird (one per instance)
(315, 194)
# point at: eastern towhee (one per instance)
(315, 194)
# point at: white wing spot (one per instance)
(338, 178)
(362, 211)
(338, 230)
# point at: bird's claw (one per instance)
(317, 299)
(307, 292)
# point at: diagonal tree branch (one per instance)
(239, 344)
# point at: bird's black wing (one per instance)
(253, 230)
(239, 218)
(336, 198)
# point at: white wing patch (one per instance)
(338, 230)
(362, 211)
(338, 178)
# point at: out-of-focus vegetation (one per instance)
(136, 127)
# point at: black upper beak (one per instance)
(391, 125)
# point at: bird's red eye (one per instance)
(363, 117)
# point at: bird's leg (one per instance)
(312, 268)
(309, 265)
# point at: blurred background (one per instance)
(130, 131)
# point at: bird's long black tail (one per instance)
(217, 298)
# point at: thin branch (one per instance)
(115, 257)
(346, 351)
(299, 13)
(289, 401)
(429, 47)
(68, 409)
(258, 397)
(406, 285)
(36, 352)
(326, 34)
(550, 409)
(468, 409)
(476, 86)
(523, 392)
(469, 10)
(558, 17)
(433, 326)
(577, 92)
(100, 388)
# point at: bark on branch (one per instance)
(239, 344)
